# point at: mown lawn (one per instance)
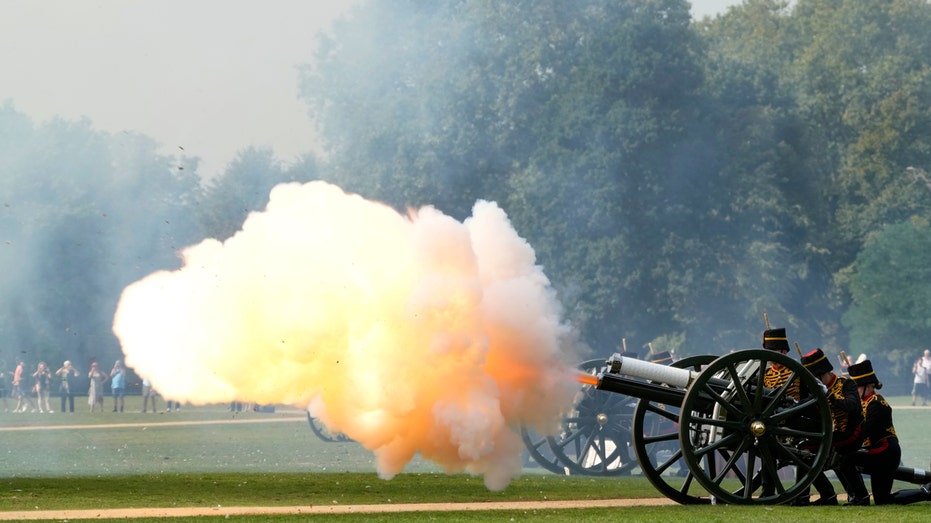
(262, 459)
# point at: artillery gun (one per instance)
(731, 430)
(713, 419)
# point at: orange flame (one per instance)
(587, 379)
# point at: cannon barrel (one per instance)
(655, 372)
(640, 389)
(664, 384)
(911, 475)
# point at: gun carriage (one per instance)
(731, 430)
(706, 430)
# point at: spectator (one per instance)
(926, 363)
(4, 389)
(22, 399)
(118, 385)
(95, 391)
(64, 374)
(920, 382)
(43, 380)
(148, 393)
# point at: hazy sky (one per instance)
(211, 76)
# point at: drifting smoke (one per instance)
(415, 334)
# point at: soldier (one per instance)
(847, 415)
(774, 377)
(881, 453)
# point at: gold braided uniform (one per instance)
(847, 413)
(776, 376)
(883, 453)
(877, 424)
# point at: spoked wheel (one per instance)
(323, 433)
(595, 439)
(656, 440)
(595, 436)
(539, 450)
(734, 432)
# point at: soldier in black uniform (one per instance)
(774, 377)
(881, 452)
(847, 415)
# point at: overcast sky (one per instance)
(211, 76)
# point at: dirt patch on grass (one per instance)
(323, 509)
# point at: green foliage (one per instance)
(890, 287)
(562, 112)
(85, 213)
(867, 93)
(240, 190)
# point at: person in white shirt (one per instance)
(920, 382)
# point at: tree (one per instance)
(677, 180)
(566, 113)
(890, 287)
(244, 188)
(868, 93)
(85, 213)
(758, 204)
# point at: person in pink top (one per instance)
(23, 401)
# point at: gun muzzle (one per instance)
(587, 379)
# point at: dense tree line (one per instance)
(85, 213)
(677, 179)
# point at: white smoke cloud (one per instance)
(409, 334)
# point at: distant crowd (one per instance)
(32, 391)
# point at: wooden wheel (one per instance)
(595, 436)
(656, 441)
(323, 433)
(538, 448)
(735, 433)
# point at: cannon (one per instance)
(715, 422)
(707, 430)
(595, 436)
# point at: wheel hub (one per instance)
(757, 428)
(602, 419)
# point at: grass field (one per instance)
(208, 456)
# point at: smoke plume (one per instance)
(409, 334)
